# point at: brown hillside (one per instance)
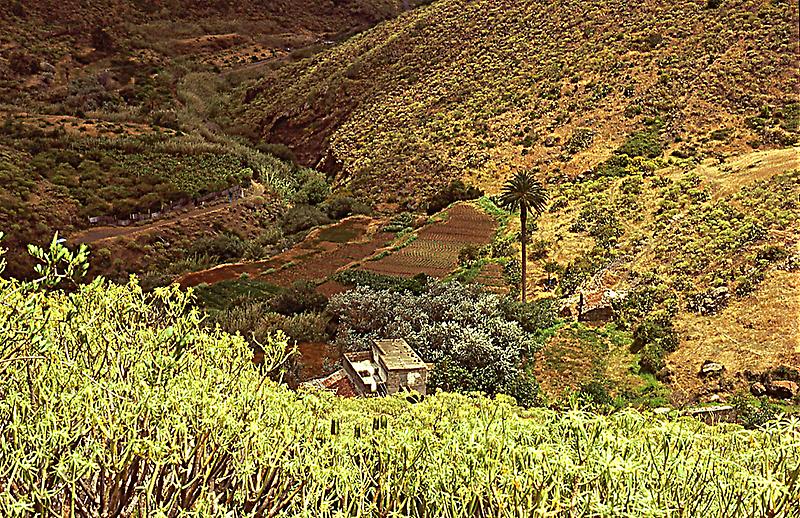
(477, 88)
(59, 38)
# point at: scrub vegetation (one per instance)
(140, 409)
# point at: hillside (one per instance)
(666, 135)
(117, 56)
(475, 89)
(59, 37)
(105, 107)
(154, 414)
(267, 258)
(709, 250)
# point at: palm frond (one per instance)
(524, 191)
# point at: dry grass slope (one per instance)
(478, 88)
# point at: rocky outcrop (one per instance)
(708, 302)
(758, 389)
(665, 374)
(783, 389)
(782, 382)
(711, 369)
(591, 306)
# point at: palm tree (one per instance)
(525, 193)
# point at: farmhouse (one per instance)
(390, 366)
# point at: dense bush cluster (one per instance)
(477, 342)
(256, 320)
(376, 281)
(118, 176)
(453, 192)
(256, 310)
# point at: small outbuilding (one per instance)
(389, 367)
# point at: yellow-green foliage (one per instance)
(115, 402)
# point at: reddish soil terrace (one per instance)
(331, 288)
(320, 255)
(435, 251)
(354, 240)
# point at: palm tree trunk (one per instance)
(523, 220)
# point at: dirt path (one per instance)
(97, 234)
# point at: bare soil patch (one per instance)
(730, 176)
(317, 359)
(331, 288)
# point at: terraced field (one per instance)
(435, 250)
(491, 276)
(319, 265)
(319, 256)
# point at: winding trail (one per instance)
(98, 234)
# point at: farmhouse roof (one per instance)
(398, 355)
(338, 383)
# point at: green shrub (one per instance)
(224, 246)
(595, 392)
(708, 302)
(400, 222)
(314, 188)
(512, 273)
(469, 255)
(642, 143)
(651, 358)
(538, 249)
(280, 151)
(581, 139)
(302, 297)
(532, 316)
(656, 328)
(338, 207)
(302, 217)
(453, 192)
(417, 284)
(525, 390)
(303, 327)
(502, 246)
(753, 412)
(747, 284)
